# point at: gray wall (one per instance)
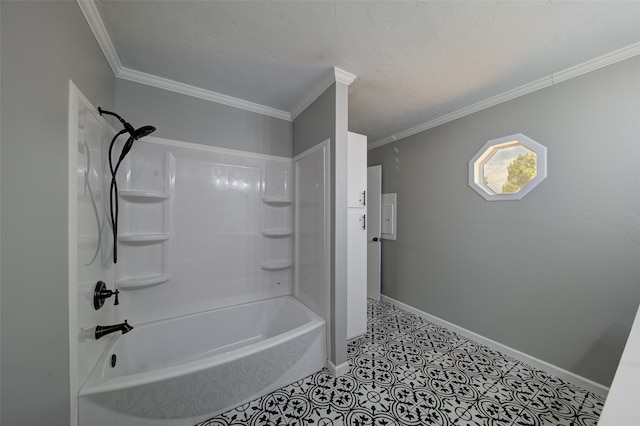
(555, 275)
(190, 119)
(326, 118)
(44, 44)
(316, 123)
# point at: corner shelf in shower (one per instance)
(140, 282)
(277, 220)
(277, 233)
(146, 184)
(142, 238)
(277, 265)
(277, 201)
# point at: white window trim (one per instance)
(487, 151)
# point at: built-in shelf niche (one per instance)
(146, 180)
(277, 215)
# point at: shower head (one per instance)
(134, 135)
(137, 134)
(143, 131)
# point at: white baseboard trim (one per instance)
(338, 370)
(568, 376)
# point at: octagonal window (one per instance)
(508, 168)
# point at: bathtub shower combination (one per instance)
(205, 249)
(185, 370)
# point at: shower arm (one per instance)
(128, 127)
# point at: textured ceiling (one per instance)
(414, 61)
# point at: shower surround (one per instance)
(202, 229)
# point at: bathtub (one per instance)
(185, 370)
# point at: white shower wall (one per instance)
(312, 225)
(90, 241)
(199, 228)
(218, 229)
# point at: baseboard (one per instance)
(338, 370)
(568, 376)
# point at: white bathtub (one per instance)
(185, 370)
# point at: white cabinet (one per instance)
(357, 236)
(356, 274)
(357, 171)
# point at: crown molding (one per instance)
(462, 112)
(333, 75)
(342, 76)
(575, 71)
(91, 14)
(196, 92)
(597, 63)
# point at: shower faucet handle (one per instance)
(100, 293)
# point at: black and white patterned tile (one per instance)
(408, 371)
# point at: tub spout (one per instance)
(108, 329)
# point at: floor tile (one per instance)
(408, 371)
(590, 410)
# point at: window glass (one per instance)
(509, 169)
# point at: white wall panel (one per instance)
(311, 227)
(90, 258)
(220, 251)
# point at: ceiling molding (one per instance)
(462, 112)
(332, 75)
(196, 92)
(91, 14)
(343, 76)
(575, 71)
(597, 63)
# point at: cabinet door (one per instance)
(356, 273)
(357, 170)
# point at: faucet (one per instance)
(100, 293)
(103, 330)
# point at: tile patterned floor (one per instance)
(408, 371)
